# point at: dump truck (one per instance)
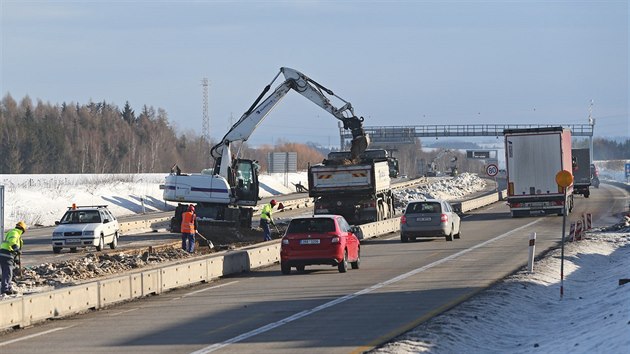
(582, 174)
(358, 189)
(533, 158)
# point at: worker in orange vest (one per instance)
(189, 229)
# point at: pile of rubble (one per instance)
(49, 276)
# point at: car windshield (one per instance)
(81, 217)
(311, 225)
(424, 208)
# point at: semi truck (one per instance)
(581, 160)
(533, 158)
(358, 189)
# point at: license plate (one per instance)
(313, 241)
(73, 241)
(423, 219)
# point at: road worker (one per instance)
(266, 219)
(189, 229)
(10, 251)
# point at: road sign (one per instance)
(627, 170)
(492, 170)
(564, 178)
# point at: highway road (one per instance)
(319, 311)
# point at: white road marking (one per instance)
(32, 336)
(210, 288)
(345, 298)
(121, 312)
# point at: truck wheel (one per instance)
(56, 250)
(586, 194)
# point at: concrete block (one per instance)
(114, 290)
(60, 302)
(184, 274)
(215, 267)
(264, 256)
(150, 282)
(235, 262)
(11, 313)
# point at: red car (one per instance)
(321, 239)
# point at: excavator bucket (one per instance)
(359, 145)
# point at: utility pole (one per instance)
(591, 122)
(205, 124)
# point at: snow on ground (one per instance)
(526, 314)
(42, 199)
(443, 188)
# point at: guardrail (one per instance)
(33, 308)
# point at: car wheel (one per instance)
(300, 268)
(458, 235)
(404, 238)
(57, 250)
(99, 247)
(343, 265)
(73, 249)
(114, 242)
(285, 268)
(357, 263)
(449, 237)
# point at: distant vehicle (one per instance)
(429, 218)
(404, 176)
(582, 173)
(594, 176)
(321, 239)
(86, 226)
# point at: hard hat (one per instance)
(21, 225)
(191, 208)
(272, 202)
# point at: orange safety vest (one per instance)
(188, 223)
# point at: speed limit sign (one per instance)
(492, 170)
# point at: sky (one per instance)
(397, 62)
(520, 314)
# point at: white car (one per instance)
(86, 226)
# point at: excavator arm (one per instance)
(307, 87)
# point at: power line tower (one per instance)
(206, 117)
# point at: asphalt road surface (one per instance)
(321, 310)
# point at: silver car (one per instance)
(429, 218)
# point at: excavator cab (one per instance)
(243, 180)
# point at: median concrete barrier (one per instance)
(33, 308)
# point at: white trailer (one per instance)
(533, 158)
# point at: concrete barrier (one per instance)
(129, 227)
(34, 308)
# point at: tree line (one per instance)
(99, 137)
